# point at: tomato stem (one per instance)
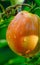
(9, 9)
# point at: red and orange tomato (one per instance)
(23, 34)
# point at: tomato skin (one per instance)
(23, 25)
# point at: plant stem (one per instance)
(8, 9)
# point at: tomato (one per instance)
(23, 34)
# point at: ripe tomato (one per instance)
(23, 34)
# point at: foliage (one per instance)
(8, 57)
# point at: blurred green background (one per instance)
(7, 56)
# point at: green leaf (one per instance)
(26, 8)
(4, 26)
(6, 54)
(37, 11)
(14, 2)
(3, 43)
(37, 2)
